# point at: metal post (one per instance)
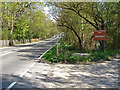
(104, 45)
(57, 49)
(96, 46)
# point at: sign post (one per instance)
(96, 46)
(104, 45)
(100, 35)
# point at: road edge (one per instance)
(21, 75)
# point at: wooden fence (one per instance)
(6, 42)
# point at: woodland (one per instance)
(78, 20)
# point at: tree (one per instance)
(25, 20)
(94, 15)
(12, 11)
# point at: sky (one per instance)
(48, 15)
(46, 9)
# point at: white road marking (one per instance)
(27, 70)
(10, 86)
(24, 73)
(6, 54)
(5, 47)
(13, 51)
(46, 51)
(35, 62)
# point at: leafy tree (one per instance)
(25, 20)
(95, 16)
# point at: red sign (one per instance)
(100, 35)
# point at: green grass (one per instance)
(66, 55)
(50, 54)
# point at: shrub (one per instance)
(61, 58)
(110, 52)
(73, 59)
(53, 60)
(97, 56)
(70, 48)
(66, 46)
(50, 54)
(83, 59)
(65, 55)
(115, 52)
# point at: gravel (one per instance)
(98, 75)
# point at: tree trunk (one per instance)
(30, 39)
(79, 40)
(11, 37)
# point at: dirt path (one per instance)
(100, 75)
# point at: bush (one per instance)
(73, 59)
(50, 54)
(61, 58)
(97, 56)
(70, 48)
(53, 60)
(110, 52)
(115, 52)
(66, 46)
(83, 59)
(66, 55)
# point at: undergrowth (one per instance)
(66, 55)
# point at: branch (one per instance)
(64, 26)
(78, 12)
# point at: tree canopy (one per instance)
(79, 20)
(24, 20)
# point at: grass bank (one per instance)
(66, 55)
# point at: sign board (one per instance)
(100, 35)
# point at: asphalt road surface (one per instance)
(15, 60)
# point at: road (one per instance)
(17, 59)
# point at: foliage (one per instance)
(67, 56)
(97, 56)
(25, 20)
(50, 54)
(83, 59)
(73, 59)
(79, 20)
(61, 58)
